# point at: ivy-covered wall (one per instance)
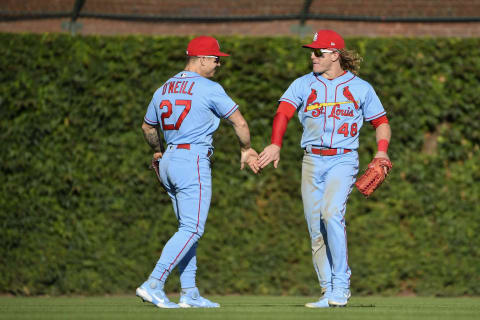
(81, 213)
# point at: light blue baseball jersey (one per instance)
(333, 111)
(188, 108)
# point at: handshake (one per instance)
(256, 161)
(373, 177)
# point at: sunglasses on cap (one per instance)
(217, 59)
(319, 52)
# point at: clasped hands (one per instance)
(256, 161)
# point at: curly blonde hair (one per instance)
(350, 60)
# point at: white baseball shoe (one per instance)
(191, 298)
(339, 297)
(321, 303)
(151, 291)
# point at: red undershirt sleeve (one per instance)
(376, 122)
(285, 112)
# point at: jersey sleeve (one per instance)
(294, 95)
(221, 103)
(372, 108)
(151, 115)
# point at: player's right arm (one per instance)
(150, 134)
(285, 112)
(150, 130)
(248, 155)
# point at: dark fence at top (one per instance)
(244, 10)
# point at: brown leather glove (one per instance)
(156, 168)
(373, 176)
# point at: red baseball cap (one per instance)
(204, 46)
(324, 39)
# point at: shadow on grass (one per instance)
(276, 305)
(361, 306)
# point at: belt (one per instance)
(187, 147)
(183, 146)
(329, 152)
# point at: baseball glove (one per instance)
(373, 176)
(156, 167)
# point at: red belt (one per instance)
(183, 146)
(329, 152)
(187, 146)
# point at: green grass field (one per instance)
(239, 307)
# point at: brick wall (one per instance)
(226, 8)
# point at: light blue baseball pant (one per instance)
(186, 176)
(326, 184)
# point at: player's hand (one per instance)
(269, 154)
(157, 155)
(382, 154)
(249, 156)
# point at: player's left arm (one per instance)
(383, 135)
(150, 134)
(221, 103)
(375, 114)
(248, 155)
(373, 176)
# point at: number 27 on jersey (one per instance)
(186, 104)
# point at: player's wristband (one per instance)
(382, 145)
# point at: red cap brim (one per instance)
(310, 45)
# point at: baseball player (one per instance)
(332, 103)
(187, 108)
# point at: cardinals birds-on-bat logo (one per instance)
(312, 97)
(349, 96)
